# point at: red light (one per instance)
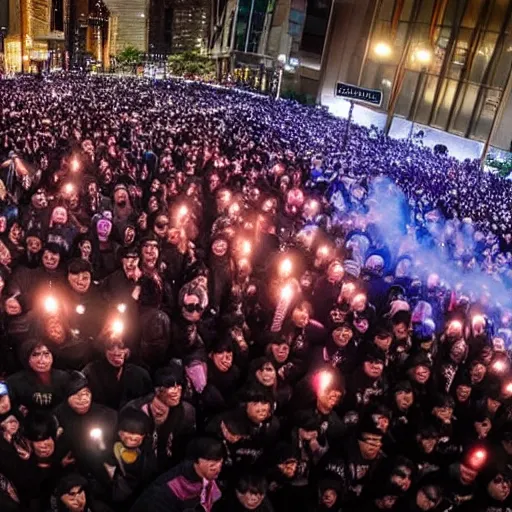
(324, 381)
(478, 458)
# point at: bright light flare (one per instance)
(121, 308)
(68, 188)
(117, 327)
(287, 293)
(478, 458)
(96, 434)
(246, 248)
(75, 165)
(324, 381)
(182, 212)
(51, 305)
(382, 50)
(423, 56)
(323, 251)
(80, 309)
(286, 267)
(499, 366)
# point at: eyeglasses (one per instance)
(500, 479)
(193, 308)
(161, 225)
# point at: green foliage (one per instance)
(190, 63)
(129, 55)
(502, 168)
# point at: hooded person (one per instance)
(61, 230)
(89, 431)
(174, 420)
(113, 380)
(72, 494)
(190, 484)
(39, 385)
(340, 350)
(248, 493)
(104, 246)
(187, 338)
(247, 430)
(154, 324)
(221, 274)
(34, 249)
(136, 461)
(83, 299)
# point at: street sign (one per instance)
(355, 93)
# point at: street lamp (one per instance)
(382, 50)
(281, 59)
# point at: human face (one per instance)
(174, 236)
(387, 502)
(161, 226)
(223, 360)
(130, 439)
(280, 351)
(39, 200)
(150, 253)
(402, 477)
(85, 249)
(250, 500)
(5, 255)
(383, 341)
(5, 404)
(443, 413)
(34, 244)
(424, 502)
(467, 475)
(401, 331)
(191, 309)
(288, 468)
(45, 448)
(208, 469)
(219, 247)
(16, 233)
(80, 282)
(477, 373)
(10, 426)
(329, 498)
(81, 401)
(421, 374)
(428, 444)
(258, 412)
(266, 375)
(41, 359)
(492, 405)
(152, 204)
(342, 336)
(463, 393)
(129, 235)
(171, 396)
(373, 369)
(327, 400)
(59, 215)
(458, 351)
(404, 400)
(483, 428)
(370, 445)
(51, 260)
(116, 354)
(75, 500)
(300, 317)
(103, 228)
(499, 488)
(130, 264)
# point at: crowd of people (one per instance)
(221, 302)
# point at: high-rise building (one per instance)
(36, 35)
(160, 27)
(190, 25)
(128, 24)
(443, 66)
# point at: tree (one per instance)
(190, 63)
(129, 55)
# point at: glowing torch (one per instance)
(68, 189)
(96, 434)
(75, 165)
(121, 308)
(246, 248)
(51, 305)
(117, 327)
(285, 269)
(80, 309)
(283, 304)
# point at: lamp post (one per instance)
(281, 59)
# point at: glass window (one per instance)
(451, 12)
(460, 53)
(427, 100)
(487, 108)
(405, 15)
(464, 109)
(497, 17)
(426, 9)
(444, 103)
(503, 64)
(386, 10)
(404, 103)
(483, 57)
(472, 13)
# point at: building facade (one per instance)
(128, 25)
(443, 65)
(160, 27)
(36, 35)
(190, 25)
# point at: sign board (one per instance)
(355, 93)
